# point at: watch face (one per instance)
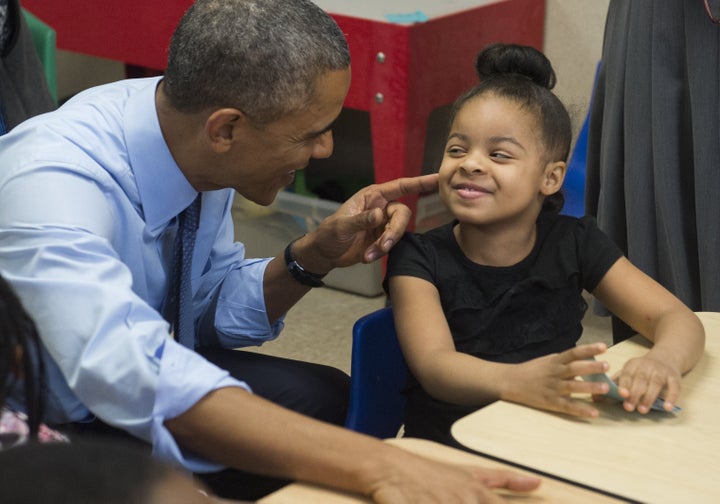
(297, 271)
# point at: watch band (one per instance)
(300, 274)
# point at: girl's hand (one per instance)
(548, 382)
(643, 379)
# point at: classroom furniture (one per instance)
(44, 39)
(377, 376)
(550, 492)
(574, 184)
(409, 57)
(655, 458)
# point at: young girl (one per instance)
(19, 359)
(489, 306)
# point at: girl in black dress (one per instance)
(490, 306)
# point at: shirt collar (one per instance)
(164, 190)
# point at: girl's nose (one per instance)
(472, 165)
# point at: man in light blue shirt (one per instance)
(89, 199)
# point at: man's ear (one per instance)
(554, 176)
(222, 127)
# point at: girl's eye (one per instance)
(454, 150)
(500, 155)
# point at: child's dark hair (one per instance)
(524, 75)
(18, 332)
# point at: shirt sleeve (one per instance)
(410, 257)
(241, 317)
(598, 253)
(175, 362)
(231, 290)
(109, 349)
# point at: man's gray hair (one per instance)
(260, 56)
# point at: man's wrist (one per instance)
(298, 271)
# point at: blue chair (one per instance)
(574, 186)
(377, 377)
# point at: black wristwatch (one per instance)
(298, 272)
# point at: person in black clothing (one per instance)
(24, 90)
(653, 152)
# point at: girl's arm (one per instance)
(460, 378)
(651, 310)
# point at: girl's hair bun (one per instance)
(503, 59)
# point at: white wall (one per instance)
(573, 43)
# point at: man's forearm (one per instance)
(238, 429)
(235, 428)
(281, 290)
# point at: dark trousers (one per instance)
(430, 418)
(312, 389)
(621, 331)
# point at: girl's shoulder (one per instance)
(546, 219)
(441, 236)
(557, 226)
(439, 233)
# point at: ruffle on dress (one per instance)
(532, 318)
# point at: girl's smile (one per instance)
(470, 191)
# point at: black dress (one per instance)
(503, 314)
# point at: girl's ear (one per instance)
(553, 177)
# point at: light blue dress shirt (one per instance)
(89, 196)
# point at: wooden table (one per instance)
(654, 458)
(402, 71)
(550, 491)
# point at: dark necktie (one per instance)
(180, 305)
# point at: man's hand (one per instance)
(364, 228)
(420, 480)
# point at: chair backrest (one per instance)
(574, 185)
(44, 39)
(377, 376)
